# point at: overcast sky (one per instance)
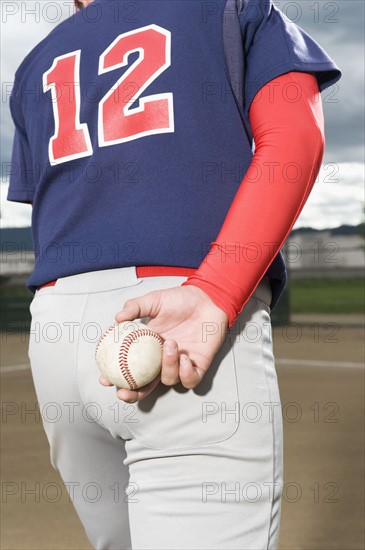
(338, 26)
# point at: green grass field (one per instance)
(327, 295)
(305, 296)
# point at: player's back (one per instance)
(135, 139)
(130, 138)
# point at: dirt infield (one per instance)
(322, 392)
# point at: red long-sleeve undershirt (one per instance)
(287, 124)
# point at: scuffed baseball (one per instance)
(129, 354)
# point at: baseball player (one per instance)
(167, 149)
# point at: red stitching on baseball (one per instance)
(102, 338)
(124, 349)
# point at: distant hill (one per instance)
(348, 230)
(22, 237)
(341, 230)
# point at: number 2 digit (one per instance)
(154, 114)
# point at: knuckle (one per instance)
(169, 362)
(170, 359)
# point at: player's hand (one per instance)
(193, 328)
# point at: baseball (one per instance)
(129, 354)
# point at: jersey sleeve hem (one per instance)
(331, 74)
(20, 196)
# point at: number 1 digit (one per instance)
(71, 139)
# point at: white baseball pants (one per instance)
(182, 469)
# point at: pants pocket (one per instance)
(176, 417)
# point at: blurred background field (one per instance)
(325, 270)
(327, 295)
(343, 296)
(318, 340)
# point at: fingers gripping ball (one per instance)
(129, 354)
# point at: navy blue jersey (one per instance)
(132, 133)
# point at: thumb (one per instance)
(142, 306)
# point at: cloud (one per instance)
(337, 197)
(13, 214)
(338, 28)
